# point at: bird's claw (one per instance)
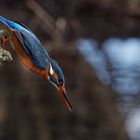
(5, 40)
(4, 37)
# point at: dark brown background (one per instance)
(30, 107)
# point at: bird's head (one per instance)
(56, 77)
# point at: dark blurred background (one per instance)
(97, 44)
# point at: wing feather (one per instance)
(33, 48)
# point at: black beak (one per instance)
(64, 96)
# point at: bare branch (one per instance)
(50, 23)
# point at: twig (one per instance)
(50, 23)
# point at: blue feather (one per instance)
(31, 44)
(58, 70)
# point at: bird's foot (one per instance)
(5, 39)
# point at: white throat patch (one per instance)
(51, 69)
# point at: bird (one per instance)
(33, 55)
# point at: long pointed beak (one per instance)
(64, 96)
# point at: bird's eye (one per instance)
(60, 81)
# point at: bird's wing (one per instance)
(33, 48)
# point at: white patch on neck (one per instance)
(51, 69)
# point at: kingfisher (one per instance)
(33, 55)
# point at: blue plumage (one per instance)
(30, 43)
(59, 72)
